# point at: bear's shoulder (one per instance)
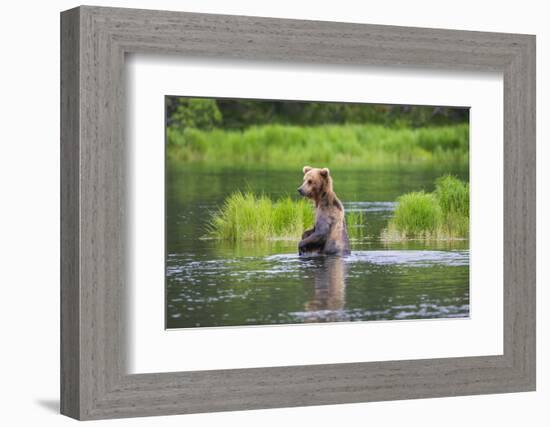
(337, 204)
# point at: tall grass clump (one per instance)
(417, 214)
(453, 197)
(246, 216)
(350, 145)
(250, 217)
(441, 215)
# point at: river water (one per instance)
(215, 283)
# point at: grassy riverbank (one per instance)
(250, 217)
(441, 215)
(345, 146)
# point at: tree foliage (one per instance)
(196, 113)
(236, 114)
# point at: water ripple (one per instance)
(369, 206)
(395, 257)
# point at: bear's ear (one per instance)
(306, 169)
(325, 172)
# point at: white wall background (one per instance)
(29, 215)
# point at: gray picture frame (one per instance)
(94, 381)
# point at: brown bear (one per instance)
(329, 235)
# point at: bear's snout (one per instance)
(301, 191)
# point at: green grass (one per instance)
(332, 145)
(245, 216)
(250, 217)
(355, 224)
(441, 215)
(453, 196)
(417, 214)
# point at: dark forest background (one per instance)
(239, 114)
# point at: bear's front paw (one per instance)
(307, 233)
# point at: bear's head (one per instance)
(317, 183)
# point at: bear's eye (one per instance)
(309, 181)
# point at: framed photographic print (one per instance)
(243, 249)
(262, 213)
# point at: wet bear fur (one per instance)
(329, 236)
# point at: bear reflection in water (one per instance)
(329, 293)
